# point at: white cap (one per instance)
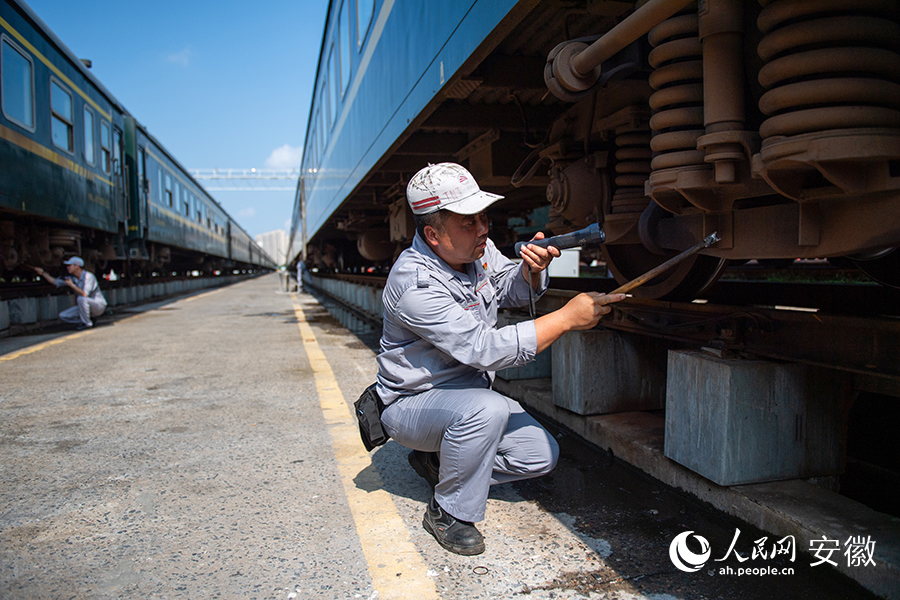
(74, 261)
(447, 186)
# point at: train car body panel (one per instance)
(63, 154)
(80, 175)
(181, 212)
(412, 50)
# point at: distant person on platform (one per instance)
(441, 346)
(89, 300)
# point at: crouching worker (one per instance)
(89, 300)
(440, 348)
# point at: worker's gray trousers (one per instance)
(84, 309)
(483, 438)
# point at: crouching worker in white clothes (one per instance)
(441, 346)
(89, 300)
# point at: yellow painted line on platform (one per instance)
(396, 567)
(40, 347)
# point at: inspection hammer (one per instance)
(706, 243)
(592, 234)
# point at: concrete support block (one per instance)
(4, 315)
(603, 371)
(737, 421)
(23, 311)
(49, 307)
(541, 367)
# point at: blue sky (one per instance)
(220, 84)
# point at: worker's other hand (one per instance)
(535, 258)
(585, 310)
(38, 270)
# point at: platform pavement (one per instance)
(204, 448)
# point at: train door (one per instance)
(119, 191)
(143, 191)
(228, 237)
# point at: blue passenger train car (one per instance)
(80, 175)
(775, 124)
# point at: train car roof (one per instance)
(65, 51)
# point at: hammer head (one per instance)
(711, 239)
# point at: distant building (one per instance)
(275, 243)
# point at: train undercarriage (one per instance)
(30, 242)
(776, 125)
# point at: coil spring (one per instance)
(632, 169)
(677, 122)
(67, 238)
(830, 64)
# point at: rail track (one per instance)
(849, 326)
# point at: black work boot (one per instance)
(426, 465)
(456, 536)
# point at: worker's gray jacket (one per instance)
(440, 324)
(87, 282)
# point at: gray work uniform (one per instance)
(439, 350)
(91, 305)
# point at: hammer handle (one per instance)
(642, 279)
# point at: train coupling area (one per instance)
(205, 447)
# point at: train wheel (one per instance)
(684, 281)
(883, 267)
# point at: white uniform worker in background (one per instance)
(89, 300)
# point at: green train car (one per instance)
(80, 175)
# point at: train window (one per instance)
(200, 208)
(104, 146)
(323, 121)
(364, 11)
(117, 150)
(170, 198)
(344, 37)
(61, 117)
(331, 93)
(17, 84)
(89, 135)
(185, 202)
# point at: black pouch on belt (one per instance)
(368, 412)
